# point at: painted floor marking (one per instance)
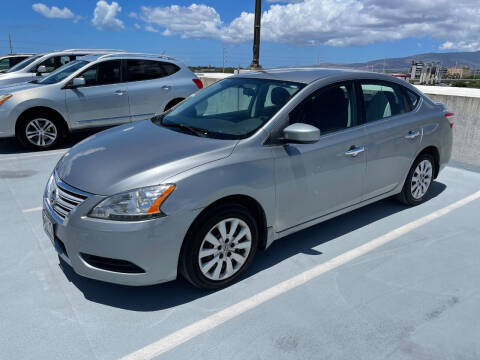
(181, 336)
(25, 211)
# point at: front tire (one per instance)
(220, 247)
(39, 132)
(418, 181)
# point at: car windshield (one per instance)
(63, 72)
(230, 109)
(24, 63)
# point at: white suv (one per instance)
(93, 91)
(34, 67)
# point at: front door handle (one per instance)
(355, 150)
(120, 92)
(412, 134)
(166, 87)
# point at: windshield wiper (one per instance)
(34, 82)
(191, 129)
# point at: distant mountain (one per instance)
(471, 59)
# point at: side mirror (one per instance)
(80, 81)
(41, 69)
(301, 133)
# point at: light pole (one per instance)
(256, 36)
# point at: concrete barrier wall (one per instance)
(465, 103)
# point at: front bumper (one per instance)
(152, 245)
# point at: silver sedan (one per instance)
(199, 189)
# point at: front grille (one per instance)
(65, 200)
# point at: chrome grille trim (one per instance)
(67, 198)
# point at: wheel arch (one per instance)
(173, 102)
(433, 151)
(42, 109)
(249, 202)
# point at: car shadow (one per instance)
(12, 146)
(168, 295)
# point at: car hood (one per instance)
(15, 77)
(136, 155)
(12, 88)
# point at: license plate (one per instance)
(48, 227)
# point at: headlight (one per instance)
(4, 98)
(50, 189)
(138, 204)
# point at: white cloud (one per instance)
(330, 22)
(53, 12)
(150, 28)
(105, 16)
(137, 26)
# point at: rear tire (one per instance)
(40, 131)
(419, 181)
(219, 247)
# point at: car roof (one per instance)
(127, 55)
(308, 75)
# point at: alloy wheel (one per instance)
(41, 132)
(224, 249)
(421, 179)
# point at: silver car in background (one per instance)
(36, 66)
(251, 159)
(93, 91)
(10, 60)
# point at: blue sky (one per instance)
(295, 32)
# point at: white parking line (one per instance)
(181, 336)
(51, 153)
(32, 210)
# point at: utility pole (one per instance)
(256, 36)
(10, 42)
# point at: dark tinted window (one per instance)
(138, 70)
(329, 109)
(412, 99)
(382, 100)
(103, 73)
(15, 60)
(5, 64)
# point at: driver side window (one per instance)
(104, 73)
(329, 109)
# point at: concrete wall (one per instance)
(465, 103)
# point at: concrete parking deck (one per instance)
(416, 297)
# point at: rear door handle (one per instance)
(120, 92)
(412, 134)
(354, 151)
(166, 87)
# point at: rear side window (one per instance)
(382, 100)
(140, 70)
(412, 99)
(104, 73)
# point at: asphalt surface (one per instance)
(417, 297)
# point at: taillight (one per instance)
(198, 82)
(450, 117)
